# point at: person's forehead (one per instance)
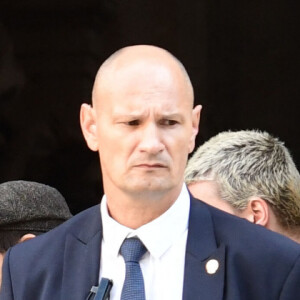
(144, 102)
(142, 72)
(142, 78)
(139, 60)
(147, 108)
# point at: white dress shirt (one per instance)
(163, 264)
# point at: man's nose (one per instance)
(151, 139)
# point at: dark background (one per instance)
(242, 57)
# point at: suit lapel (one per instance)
(205, 261)
(83, 248)
(82, 259)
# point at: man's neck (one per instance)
(135, 211)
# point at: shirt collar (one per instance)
(158, 235)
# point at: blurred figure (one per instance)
(249, 174)
(28, 209)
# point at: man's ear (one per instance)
(195, 126)
(27, 237)
(88, 126)
(257, 211)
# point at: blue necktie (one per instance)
(132, 251)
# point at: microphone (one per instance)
(102, 291)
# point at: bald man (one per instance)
(149, 237)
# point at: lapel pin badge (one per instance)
(212, 266)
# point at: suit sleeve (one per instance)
(291, 288)
(6, 292)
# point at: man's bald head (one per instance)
(146, 56)
(143, 125)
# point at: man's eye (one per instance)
(168, 122)
(133, 123)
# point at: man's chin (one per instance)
(150, 187)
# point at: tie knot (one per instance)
(132, 250)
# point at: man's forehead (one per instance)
(141, 71)
(134, 70)
(143, 110)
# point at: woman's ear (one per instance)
(88, 126)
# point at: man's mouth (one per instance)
(151, 165)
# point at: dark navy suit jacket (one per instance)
(255, 263)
